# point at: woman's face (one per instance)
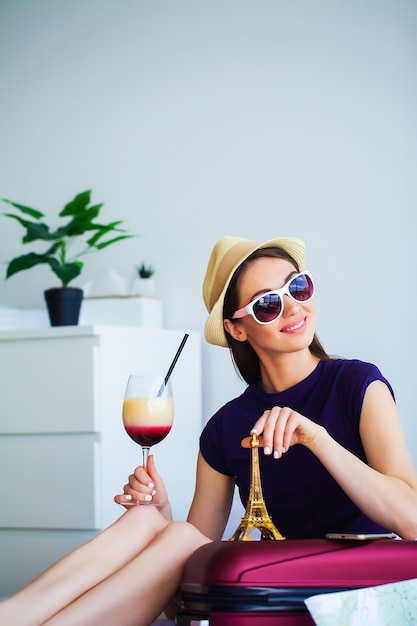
(293, 330)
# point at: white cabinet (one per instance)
(64, 452)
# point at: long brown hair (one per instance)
(244, 357)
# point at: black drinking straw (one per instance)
(171, 367)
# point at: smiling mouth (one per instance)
(294, 327)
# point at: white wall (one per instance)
(193, 119)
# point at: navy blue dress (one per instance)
(301, 496)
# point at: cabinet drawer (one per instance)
(48, 386)
(49, 481)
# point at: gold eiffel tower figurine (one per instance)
(256, 515)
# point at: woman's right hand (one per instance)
(145, 486)
(280, 428)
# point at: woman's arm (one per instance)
(386, 489)
(393, 483)
(212, 500)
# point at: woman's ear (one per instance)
(235, 330)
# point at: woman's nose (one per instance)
(290, 305)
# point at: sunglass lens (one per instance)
(301, 288)
(268, 307)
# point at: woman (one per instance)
(334, 457)
(352, 471)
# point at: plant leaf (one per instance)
(25, 262)
(83, 222)
(103, 230)
(37, 231)
(111, 226)
(104, 244)
(77, 205)
(25, 209)
(25, 223)
(66, 273)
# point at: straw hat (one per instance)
(227, 255)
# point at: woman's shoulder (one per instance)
(350, 367)
(352, 372)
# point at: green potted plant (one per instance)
(144, 284)
(63, 302)
(145, 271)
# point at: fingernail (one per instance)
(128, 496)
(267, 450)
(283, 450)
(154, 492)
(253, 431)
(276, 455)
(151, 485)
(148, 498)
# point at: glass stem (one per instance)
(145, 452)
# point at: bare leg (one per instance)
(83, 568)
(139, 591)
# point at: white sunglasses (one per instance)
(268, 307)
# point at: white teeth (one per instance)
(296, 326)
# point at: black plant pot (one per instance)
(64, 304)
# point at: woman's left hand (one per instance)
(280, 428)
(145, 486)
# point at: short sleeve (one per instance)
(211, 444)
(358, 376)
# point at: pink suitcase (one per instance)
(265, 583)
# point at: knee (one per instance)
(185, 533)
(146, 518)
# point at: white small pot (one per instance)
(143, 287)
